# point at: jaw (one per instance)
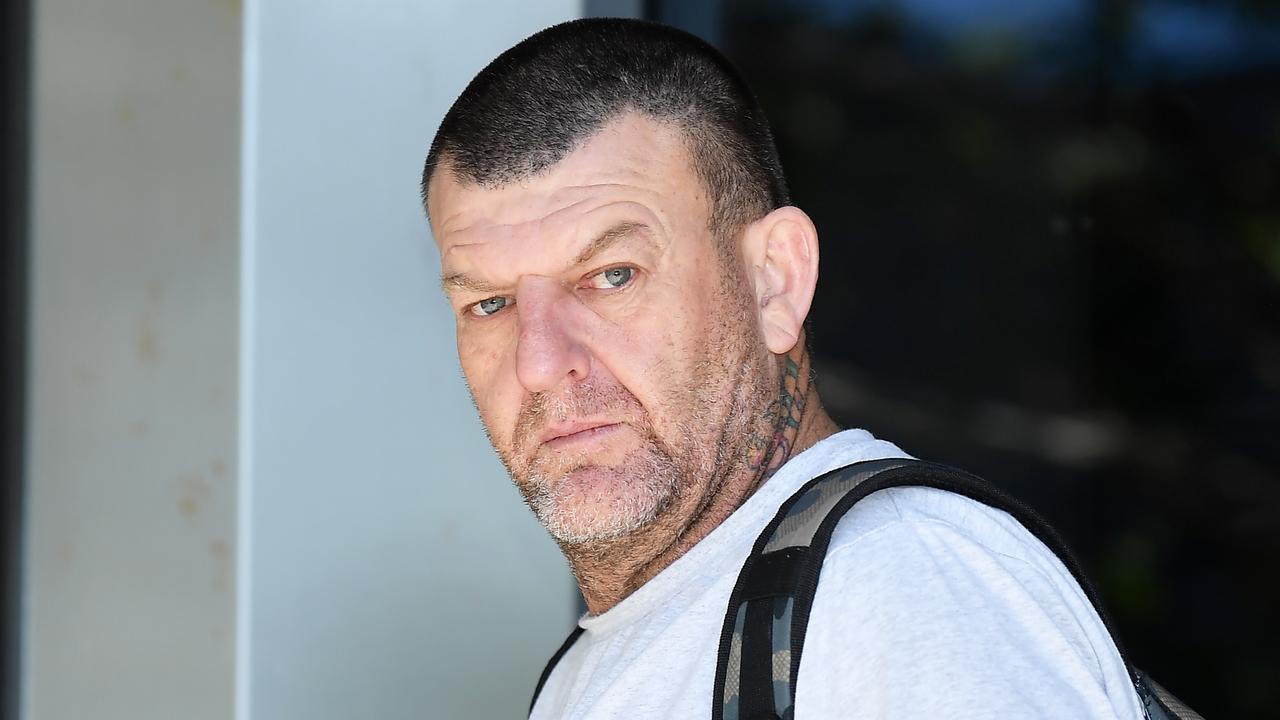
(713, 473)
(753, 422)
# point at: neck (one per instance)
(793, 421)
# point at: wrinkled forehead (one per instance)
(471, 213)
(632, 159)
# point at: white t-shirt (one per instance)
(930, 605)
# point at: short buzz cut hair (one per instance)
(537, 102)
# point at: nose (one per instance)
(548, 349)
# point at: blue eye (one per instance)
(612, 278)
(489, 306)
(618, 277)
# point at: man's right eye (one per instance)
(489, 306)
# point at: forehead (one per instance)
(633, 165)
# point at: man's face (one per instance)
(613, 354)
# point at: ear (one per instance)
(781, 252)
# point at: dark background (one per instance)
(1051, 255)
(14, 132)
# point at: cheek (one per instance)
(695, 350)
(646, 354)
(492, 385)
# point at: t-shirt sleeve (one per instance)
(917, 615)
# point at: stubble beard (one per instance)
(581, 502)
(711, 422)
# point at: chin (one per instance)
(597, 503)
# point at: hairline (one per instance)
(686, 126)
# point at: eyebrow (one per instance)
(462, 281)
(598, 244)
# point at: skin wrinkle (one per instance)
(678, 358)
(446, 224)
(618, 233)
(457, 253)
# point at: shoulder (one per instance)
(944, 599)
(936, 549)
(926, 511)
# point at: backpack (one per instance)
(756, 672)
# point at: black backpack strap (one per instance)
(759, 647)
(551, 664)
(764, 629)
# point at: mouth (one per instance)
(564, 436)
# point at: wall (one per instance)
(131, 493)
(394, 571)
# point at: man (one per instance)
(631, 285)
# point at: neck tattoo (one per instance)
(783, 416)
